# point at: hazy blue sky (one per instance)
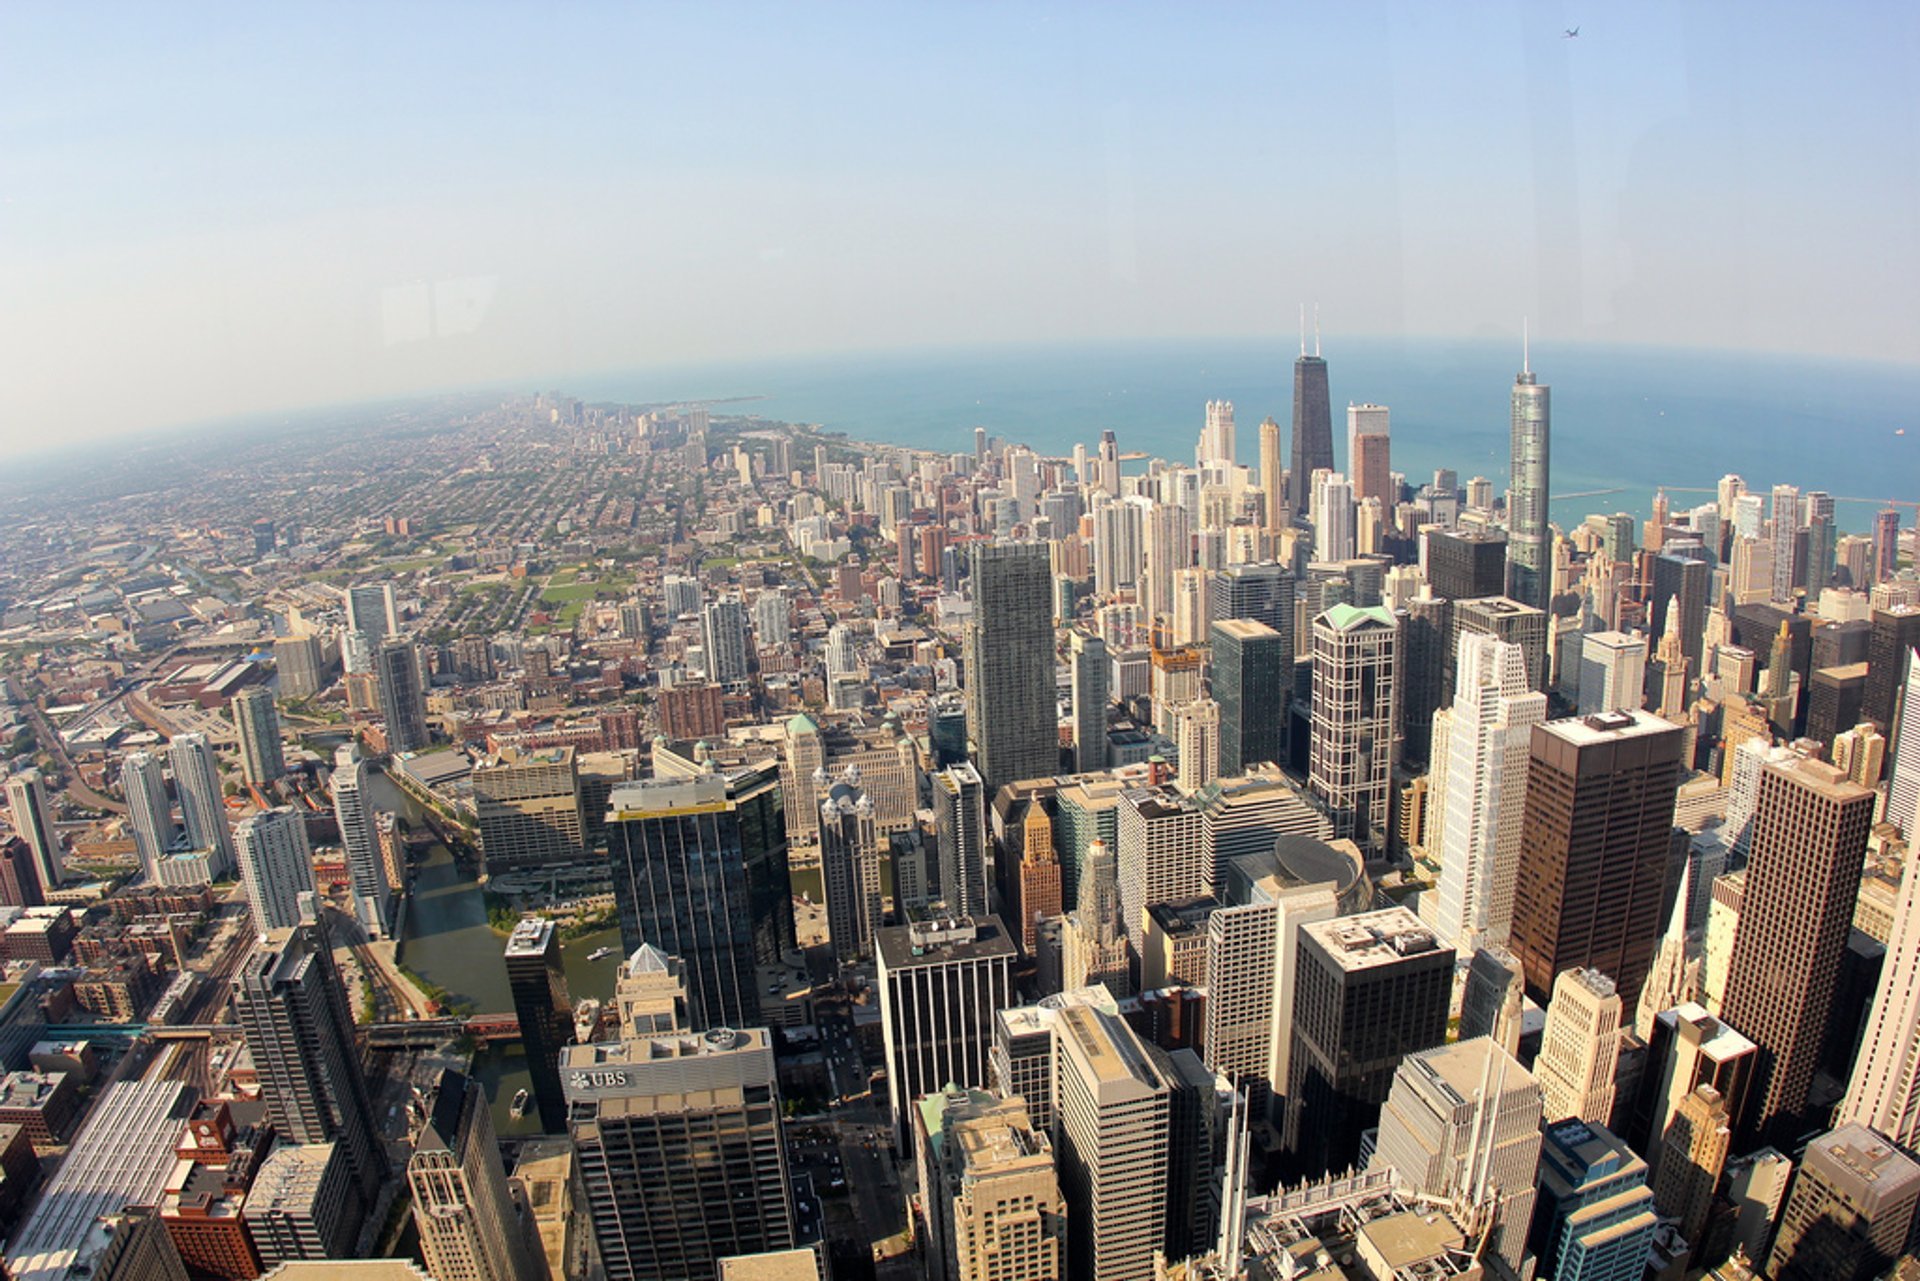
(206, 210)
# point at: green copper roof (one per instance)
(1347, 617)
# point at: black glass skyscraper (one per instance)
(545, 1011)
(699, 869)
(1252, 680)
(1312, 428)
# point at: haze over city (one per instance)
(234, 209)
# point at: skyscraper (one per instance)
(1312, 426)
(1580, 1047)
(373, 612)
(699, 870)
(1008, 649)
(1802, 879)
(1593, 1219)
(1894, 635)
(941, 982)
(1903, 770)
(1462, 1124)
(402, 702)
(196, 774)
(1467, 563)
(1253, 960)
(1613, 672)
(993, 1205)
(292, 1006)
(1529, 541)
(1113, 1109)
(1252, 679)
(1850, 1212)
(33, 820)
(1783, 522)
(1478, 783)
(1090, 698)
(372, 894)
(723, 637)
(258, 723)
(1371, 989)
(850, 867)
(544, 1010)
(1690, 1158)
(149, 813)
(276, 866)
(461, 1206)
(1273, 478)
(960, 828)
(298, 661)
(680, 1150)
(1594, 849)
(1355, 719)
(1216, 438)
(1196, 735)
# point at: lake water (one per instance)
(1624, 418)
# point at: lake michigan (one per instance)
(1625, 419)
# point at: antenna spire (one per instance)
(1316, 331)
(1303, 329)
(1526, 357)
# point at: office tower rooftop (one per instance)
(681, 1151)
(1850, 1210)
(941, 982)
(1462, 1123)
(544, 1010)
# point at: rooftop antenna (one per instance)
(1526, 359)
(1316, 331)
(1303, 329)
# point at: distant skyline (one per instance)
(216, 211)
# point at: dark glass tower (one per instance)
(1529, 545)
(1252, 677)
(699, 870)
(1312, 427)
(545, 1011)
(1012, 710)
(292, 1007)
(1263, 591)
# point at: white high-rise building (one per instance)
(941, 983)
(196, 775)
(1119, 544)
(276, 866)
(1580, 1047)
(1112, 1116)
(149, 813)
(1216, 438)
(372, 897)
(1462, 1124)
(1784, 523)
(1332, 517)
(1478, 789)
(1903, 778)
(1168, 538)
(849, 864)
(1197, 738)
(1613, 672)
(1252, 961)
(1885, 1091)
(1161, 853)
(33, 820)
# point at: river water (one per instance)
(449, 943)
